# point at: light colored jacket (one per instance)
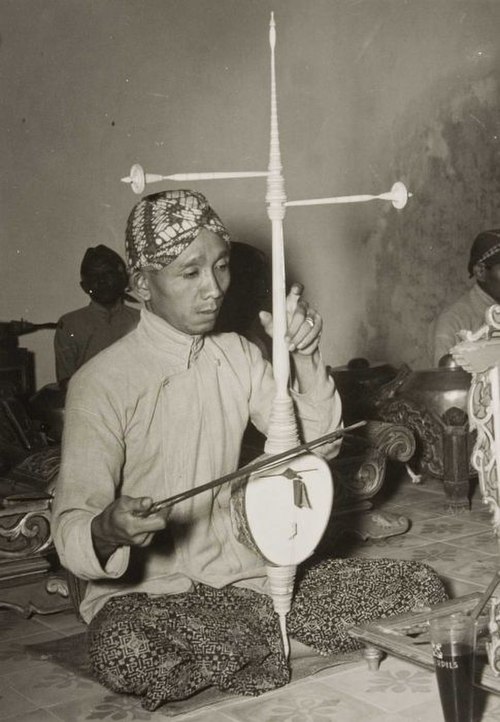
(144, 419)
(466, 314)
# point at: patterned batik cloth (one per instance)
(169, 647)
(162, 225)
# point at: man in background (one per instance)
(467, 313)
(81, 334)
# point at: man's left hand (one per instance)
(304, 324)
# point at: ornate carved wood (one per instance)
(30, 576)
(479, 353)
(432, 404)
(359, 470)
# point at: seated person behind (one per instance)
(81, 334)
(467, 313)
(174, 602)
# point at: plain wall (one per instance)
(369, 92)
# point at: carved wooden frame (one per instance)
(30, 577)
(479, 353)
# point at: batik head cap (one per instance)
(485, 249)
(162, 225)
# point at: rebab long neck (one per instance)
(282, 432)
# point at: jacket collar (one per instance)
(179, 348)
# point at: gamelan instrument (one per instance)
(280, 510)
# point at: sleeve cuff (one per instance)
(322, 389)
(82, 560)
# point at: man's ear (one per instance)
(140, 284)
(479, 271)
(85, 286)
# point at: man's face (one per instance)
(489, 280)
(188, 293)
(105, 282)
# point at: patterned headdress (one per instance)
(485, 249)
(162, 225)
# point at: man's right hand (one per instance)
(125, 522)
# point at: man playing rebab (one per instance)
(174, 602)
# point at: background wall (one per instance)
(369, 92)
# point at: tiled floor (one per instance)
(461, 548)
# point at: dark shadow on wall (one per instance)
(248, 293)
(447, 151)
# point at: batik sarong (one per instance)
(168, 647)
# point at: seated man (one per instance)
(467, 313)
(81, 334)
(174, 602)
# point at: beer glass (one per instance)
(452, 640)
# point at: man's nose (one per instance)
(211, 286)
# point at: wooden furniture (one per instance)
(31, 578)
(359, 472)
(17, 365)
(361, 467)
(479, 354)
(433, 404)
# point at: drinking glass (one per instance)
(452, 640)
